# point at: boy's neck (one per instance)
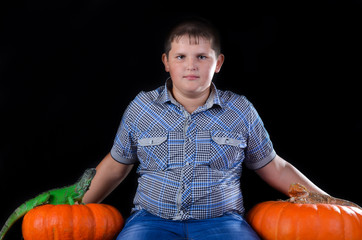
(191, 103)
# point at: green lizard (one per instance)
(66, 195)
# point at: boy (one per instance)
(190, 140)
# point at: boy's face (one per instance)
(192, 66)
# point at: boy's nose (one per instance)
(191, 64)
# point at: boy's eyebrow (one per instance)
(201, 52)
(197, 54)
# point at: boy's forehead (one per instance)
(191, 40)
(185, 43)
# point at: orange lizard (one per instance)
(300, 194)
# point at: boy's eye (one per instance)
(202, 57)
(180, 57)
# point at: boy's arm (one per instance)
(110, 174)
(280, 175)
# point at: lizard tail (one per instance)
(22, 210)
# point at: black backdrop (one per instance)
(69, 68)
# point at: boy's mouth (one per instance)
(191, 77)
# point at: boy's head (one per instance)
(192, 57)
(194, 29)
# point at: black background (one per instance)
(68, 69)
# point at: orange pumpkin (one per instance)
(72, 222)
(279, 220)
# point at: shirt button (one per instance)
(151, 141)
(227, 141)
(187, 163)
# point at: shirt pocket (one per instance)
(152, 150)
(227, 149)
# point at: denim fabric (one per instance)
(145, 226)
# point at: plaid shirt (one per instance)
(190, 164)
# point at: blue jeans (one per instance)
(144, 226)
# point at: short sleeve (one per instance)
(124, 149)
(260, 149)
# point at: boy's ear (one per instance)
(220, 61)
(165, 62)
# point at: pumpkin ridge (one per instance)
(349, 216)
(107, 224)
(278, 218)
(111, 211)
(72, 213)
(319, 220)
(312, 210)
(114, 214)
(264, 208)
(315, 207)
(337, 211)
(359, 220)
(250, 215)
(358, 217)
(342, 221)
(298, 225)
(47, 223)
(94, 222)
(99, 210)
(46, 215)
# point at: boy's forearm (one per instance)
(280, 174)
(109, 175)
(293, 175)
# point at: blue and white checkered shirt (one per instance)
(190, 164)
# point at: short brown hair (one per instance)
(195, 28)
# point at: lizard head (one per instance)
(84, 182)
(298, 190)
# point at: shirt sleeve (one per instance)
(124, 148)
(259, 151)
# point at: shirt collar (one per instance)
(213, 99)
